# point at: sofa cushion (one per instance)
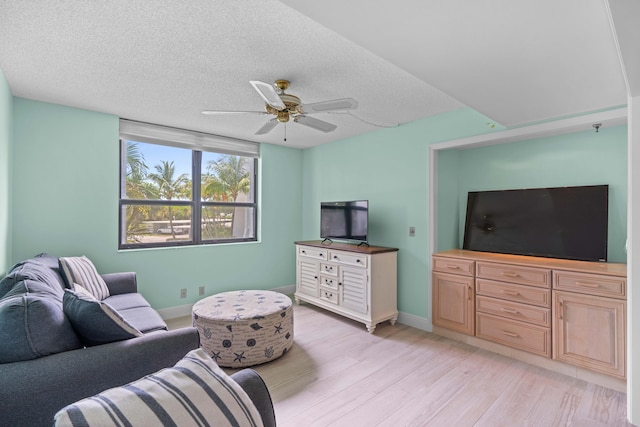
(145, 319)
(194, 392)
(41, 268)
(33, 326)
(81, 270)
(124, 301)
(95, 321)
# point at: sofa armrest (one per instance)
(121, 283)
(31, 392)
(253, 384)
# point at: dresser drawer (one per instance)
(514, 310)
(312, 252)
(453, 266)
(348, 259)
(329, 282)
(329, 269)
(523, 336)
(329, 295)
(592, 284)
(517, 293)
(532, 276)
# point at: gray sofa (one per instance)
(44, 364)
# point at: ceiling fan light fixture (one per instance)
(283, 116)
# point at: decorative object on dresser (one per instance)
(572, 311)
(358, 282)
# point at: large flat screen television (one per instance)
(344, 220)
(561, 222)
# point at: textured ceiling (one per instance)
(517, 62)
(165, 61)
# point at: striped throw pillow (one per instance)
(195, 392)
(81, 270)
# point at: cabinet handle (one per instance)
(315, 277)
(509, 310)
(469, 290)
(335, 257)
(512, 293)
(453, 267)
(588, 285)
(358, 260)
(510, 334)
(320, 254)
(303, 252)
(510, 274)
(339, 283)
(560, 310)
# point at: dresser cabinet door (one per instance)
(308, 277)
(453, 302)
(354, 285)
(589, 331)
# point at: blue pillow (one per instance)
(32, 326)
(95, 321)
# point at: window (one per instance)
(171, 179)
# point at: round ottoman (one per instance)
(244, 328)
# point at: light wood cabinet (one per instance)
(589, 329)
(572, 311)
(453, 302)
(358, 282)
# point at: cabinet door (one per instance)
(453, 302)
(354, 282)
(307, 277)
(589, 331)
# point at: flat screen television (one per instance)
(561, 222)
(344, 220)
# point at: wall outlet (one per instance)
(183, 293)
(412, 232)
(201, 290)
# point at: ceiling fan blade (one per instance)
(316, 124)
(268, 93)
(343, 104)
(267, 127)
(212, 112)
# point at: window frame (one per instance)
(195, 203)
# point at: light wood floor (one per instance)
(337, 374)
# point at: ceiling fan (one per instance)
(285, 106)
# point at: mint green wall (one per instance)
(389, 168)
(65, 186)
(584, 158)
(6, 114)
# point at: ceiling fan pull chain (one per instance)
(285, 132)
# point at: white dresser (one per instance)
(358, 282)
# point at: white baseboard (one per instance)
(174, 312)
(185, 310)
(415, 321)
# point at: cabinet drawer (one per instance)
(592, 284)
(348, 259)
(532, 276)
(453, 265)
(523, 336)
(329, 295)
(329, 282)
(517, 293)
(312, 252)
(328, 269)
(514, 310)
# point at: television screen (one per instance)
(562, 222)
(344, 220)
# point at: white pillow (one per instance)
(194, 392)
(81, 270)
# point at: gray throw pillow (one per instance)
(32, 326)
(95, 321)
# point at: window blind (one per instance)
(156, 134)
